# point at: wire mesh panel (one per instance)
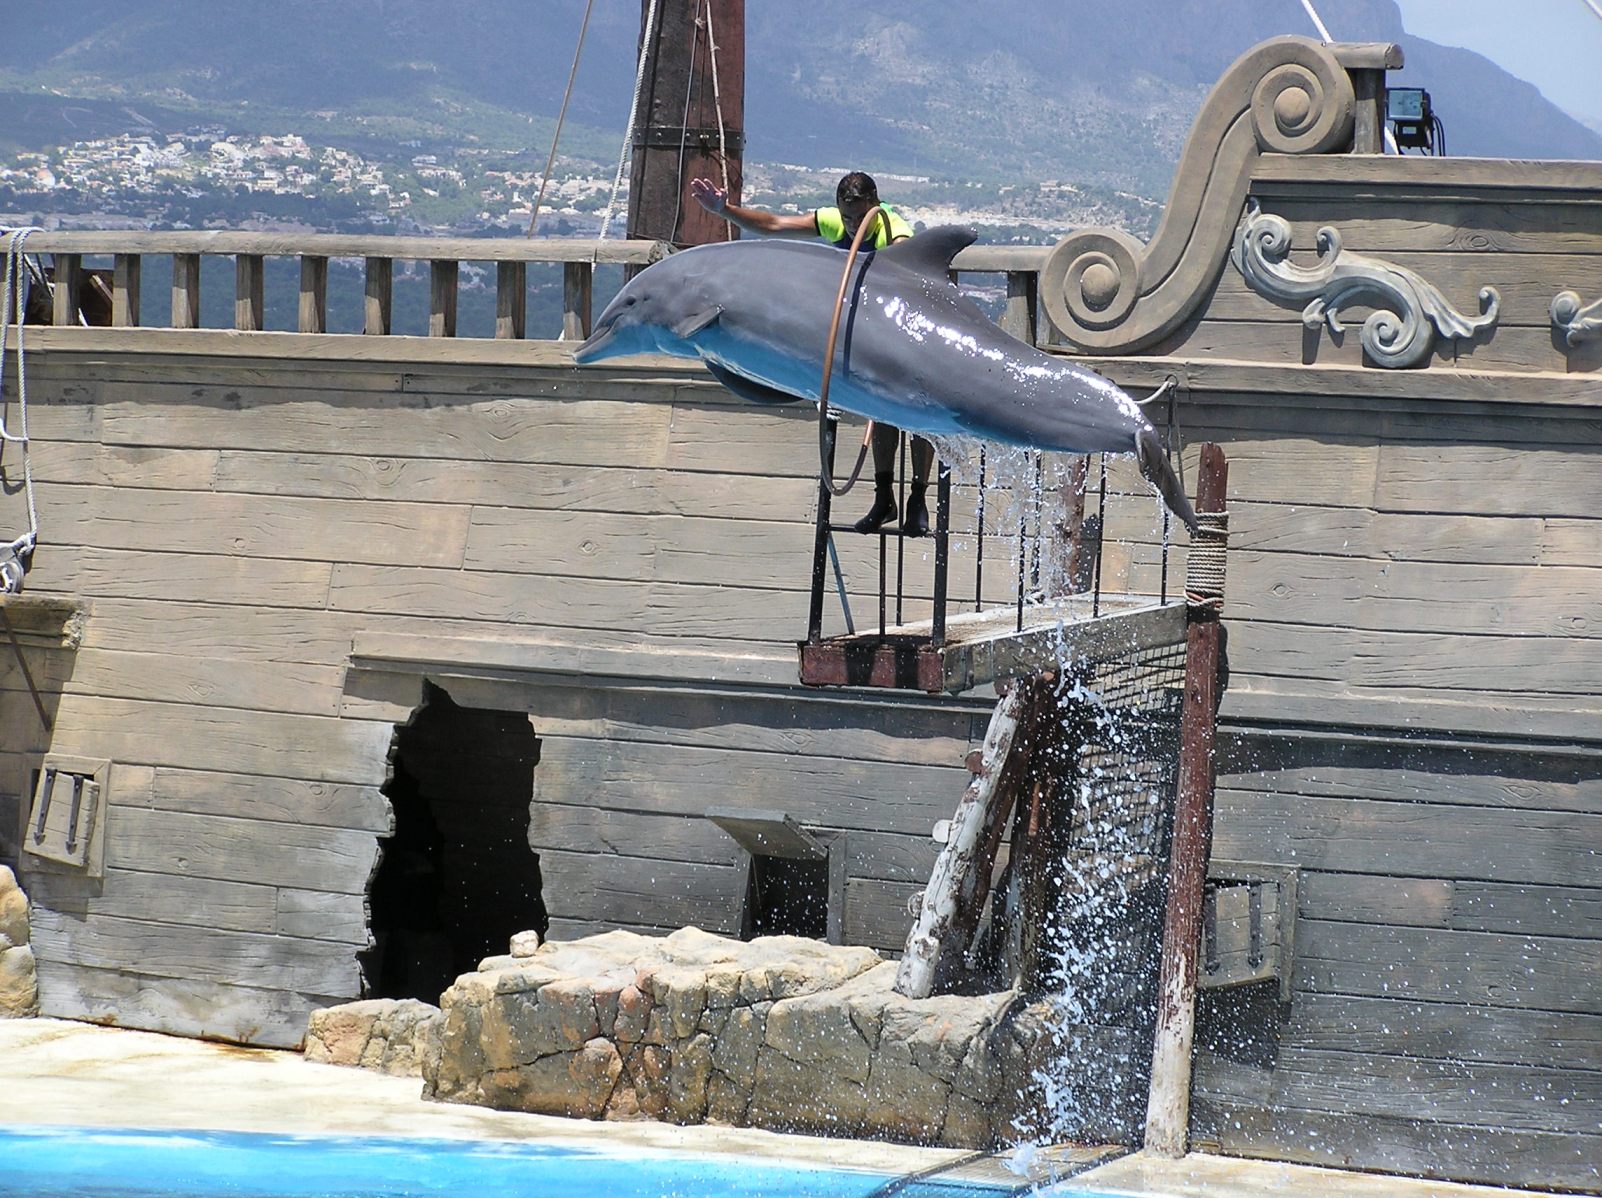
(1084, 899)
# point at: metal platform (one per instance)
(983, 647)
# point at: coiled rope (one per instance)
(17, 556)
(870, 220)
(1204, 568)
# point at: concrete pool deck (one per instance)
(59, 1072)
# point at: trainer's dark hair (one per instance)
(856, 186)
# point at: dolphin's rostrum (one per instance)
(912, 351)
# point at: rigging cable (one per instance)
(646, 40)
(560, 117)
(684, 137)
(17, 556)
(717, 104)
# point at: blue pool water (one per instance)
(43, 1162)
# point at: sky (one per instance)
(1554, 44)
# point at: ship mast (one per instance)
(676, 132)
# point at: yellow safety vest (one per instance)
(831, 227)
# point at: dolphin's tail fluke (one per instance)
(1154, 465)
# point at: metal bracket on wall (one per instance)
(1248, 925)
(66, 817)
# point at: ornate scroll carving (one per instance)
(1108, 293)
(1411, 310)
(1577, 324)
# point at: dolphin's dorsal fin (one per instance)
(930, 252)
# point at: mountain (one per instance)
(1096, 93)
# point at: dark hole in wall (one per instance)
(789, 897)
(457, 879)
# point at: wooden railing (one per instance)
(444, 255)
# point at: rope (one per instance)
(870, 220)
(15, 557)
(560, 117)
(717, 104)
(1204, 569)
(634, 107)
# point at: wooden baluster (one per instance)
(443, 274)
(1018, 317)
(313, 293)
(511, 300)
(125, 291)
(578, 282)
(379, 305)
(186, 291)
(249, 303)
(68, 278)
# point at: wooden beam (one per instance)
(68, 275)
(186, 291)
(964, 853)
(249, 303)
(125, 291)
(1168, 1104)
(313, 293)
(379, 307)
(443, 275)
(578, 279)
(511, 300)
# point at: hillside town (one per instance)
(209, 177)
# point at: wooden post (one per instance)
(125, 291)
(964, 852)
(578, 279)
(1168, 1103)
(313, 294)
(1046, 812)
(186, 291)
(1368, 128)
(378, 307)
(1018, 317)
(443, 274)
(676, 132)
(511, 300)
(248, 293)
(68, 278)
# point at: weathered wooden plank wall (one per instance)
(276, 553)
(235, 526)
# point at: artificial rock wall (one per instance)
(19, 990)
(780, 1032)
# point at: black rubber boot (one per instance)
(884, 504)
(917, 522)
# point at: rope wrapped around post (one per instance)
(1204, 568)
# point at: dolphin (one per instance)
(912, 351)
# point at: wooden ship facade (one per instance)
(295, 589)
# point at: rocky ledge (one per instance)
(19, 988)
(780, 1032)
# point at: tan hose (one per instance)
(874, 215)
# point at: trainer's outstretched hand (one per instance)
(709, 195)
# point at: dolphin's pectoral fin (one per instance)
(696, 321)
(930, 252)
(746, 389)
